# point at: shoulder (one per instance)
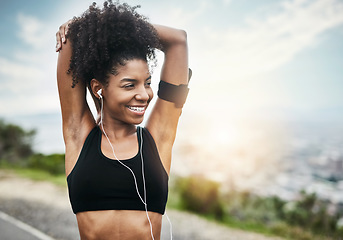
(145, 135)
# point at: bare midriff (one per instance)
(118, 224)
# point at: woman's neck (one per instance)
(115, 129)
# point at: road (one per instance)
(13, 229)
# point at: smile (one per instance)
(136, 109)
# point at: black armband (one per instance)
(174, 93)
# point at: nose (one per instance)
(142, 94)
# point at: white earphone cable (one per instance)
(143, 176)
(170, 227)
(134, 177)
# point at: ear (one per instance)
(95, 87)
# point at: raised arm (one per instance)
(76, 117)
(163, 121)
(174, 47)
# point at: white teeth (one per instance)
(137, 109)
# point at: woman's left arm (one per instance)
(163, 120)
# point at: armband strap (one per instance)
(174, 93)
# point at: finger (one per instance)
(67, 27)
(58, 41)
(62, 33)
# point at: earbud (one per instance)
(99, 93)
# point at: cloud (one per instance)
(267, 43)
(179, 16)
(231, 65)
(32, 31)
(226, 2)
(17, 72)
(28, 75)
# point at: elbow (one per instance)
(177, 37)
(181, 36)
(173, 38)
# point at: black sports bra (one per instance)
(100, 183)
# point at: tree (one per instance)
(15, 142)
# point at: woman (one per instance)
(117, 173)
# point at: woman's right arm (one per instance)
(77, 118)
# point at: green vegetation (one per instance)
(53, 163)
(205, 200)
(15, 143)
(307, 218)
(16, 153)
(40, 175)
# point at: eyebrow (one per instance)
(133, 80)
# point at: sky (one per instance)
(255, 64)
(248, 57)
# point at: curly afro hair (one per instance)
(103, 39)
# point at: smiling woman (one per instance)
(128, 92)
(117, 173)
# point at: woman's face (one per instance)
(128, 93)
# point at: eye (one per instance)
(128, 85)
(148, 83)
